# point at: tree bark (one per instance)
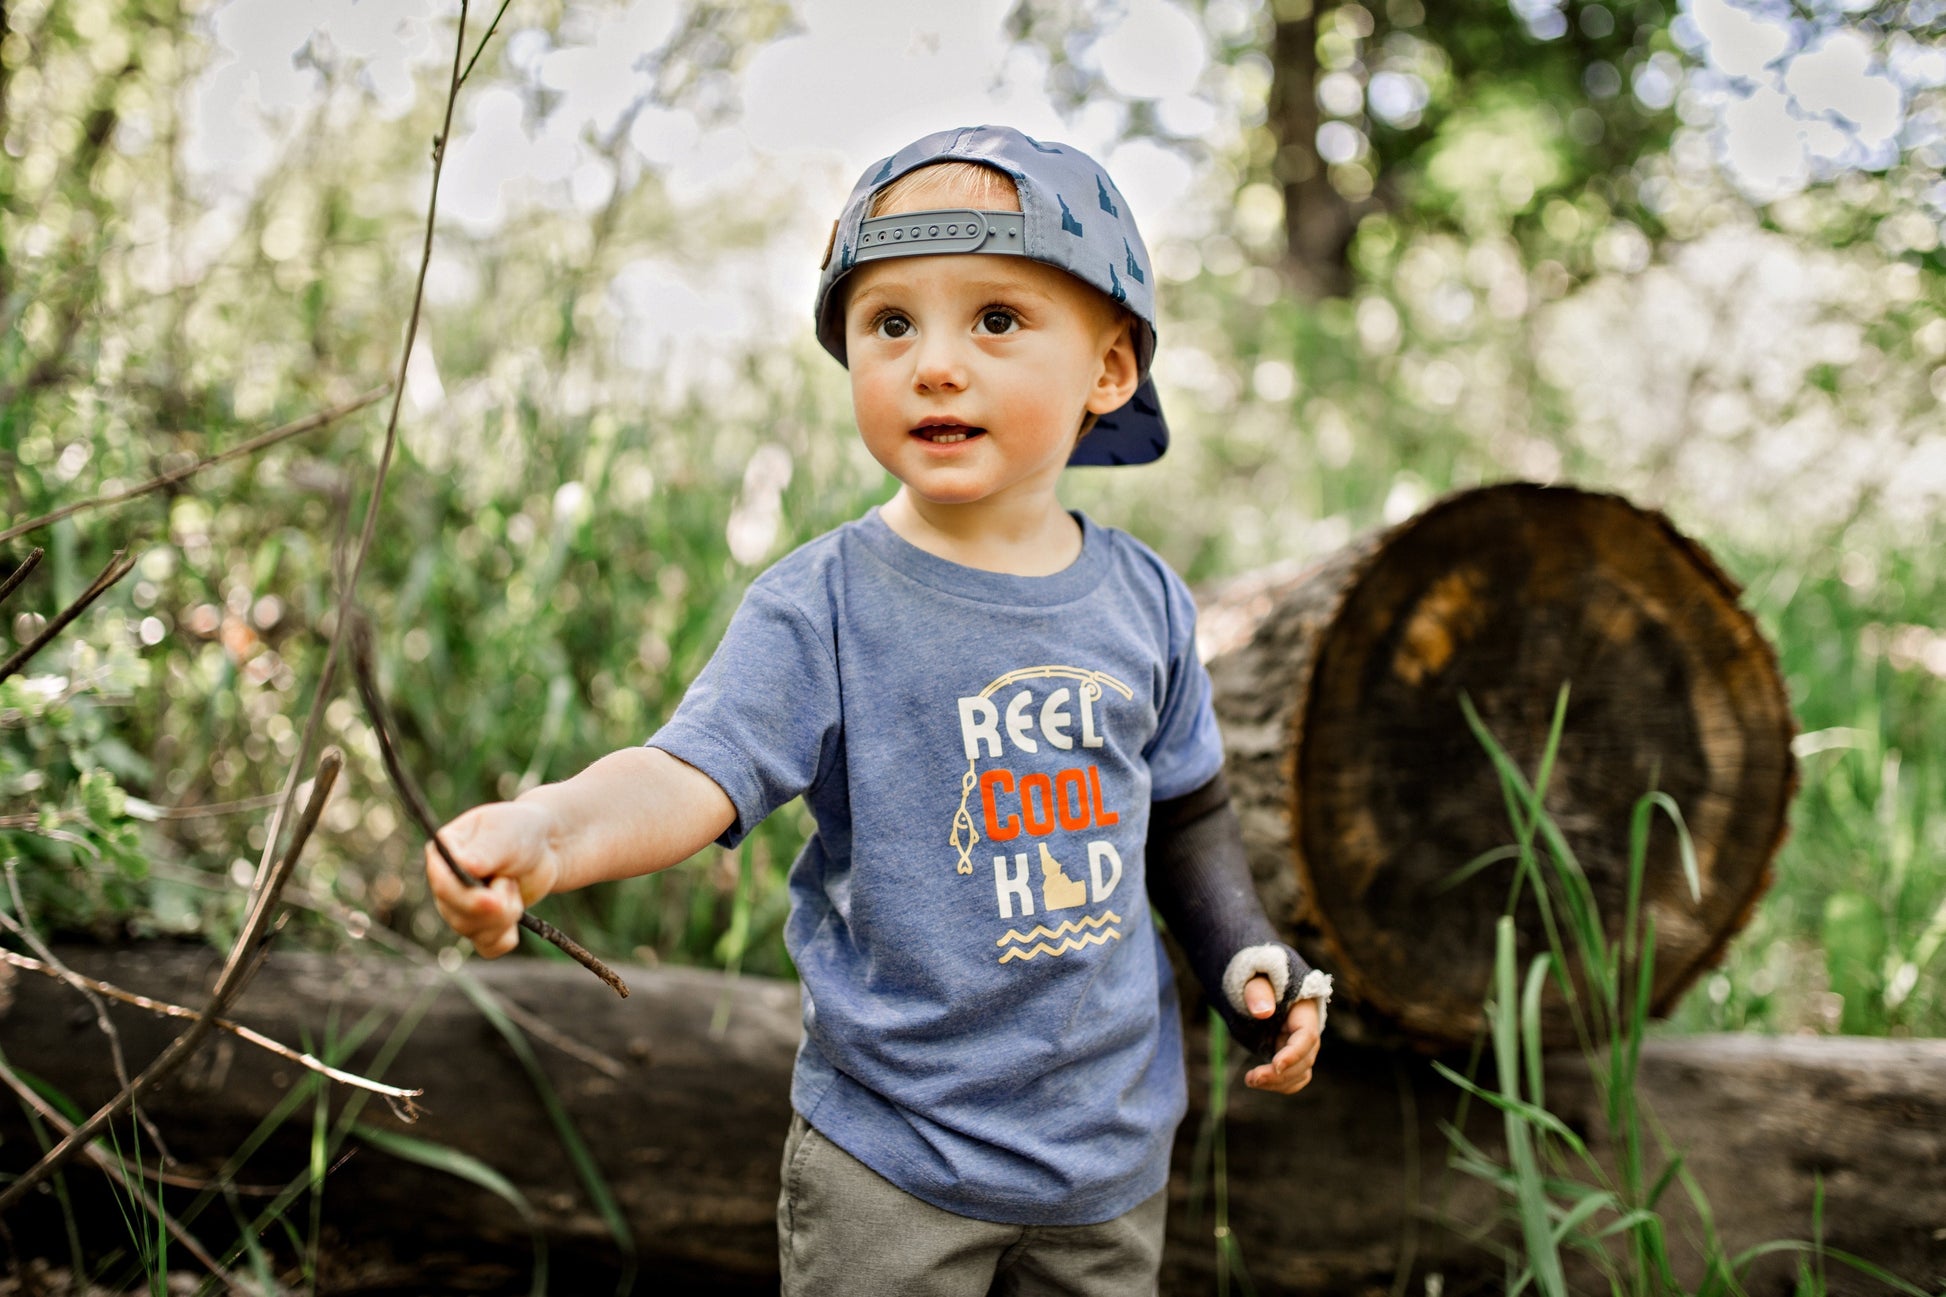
(1328, 1192)
(1362, 789)
(1318, 220)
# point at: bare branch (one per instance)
(20, 928)
(209, 809)
(118, 567)
(146, 811)
(236, 974)
(308, 423)
(112, 1168)
(481, 48)
(415, 805)
(21, 573)
(348, 583)
(162, 1008)
(531, 1023)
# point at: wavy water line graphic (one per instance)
(964, 835)
(1092, 939)
(1072, 925)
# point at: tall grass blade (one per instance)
(1530, 816)
(464, 1166)
(1474, 866)
(1530, 1027)
(274, 1211)
(585, 1167)
(1742, 1261)
(1530, 1194)
(1515, 1106)
(1685, 845)
(260, 1267)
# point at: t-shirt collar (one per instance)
(1070, 583)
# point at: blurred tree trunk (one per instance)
(1318, 220)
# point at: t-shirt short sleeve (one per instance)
(762, 719)
(1187, 751)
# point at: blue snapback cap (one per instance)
(1071, 217)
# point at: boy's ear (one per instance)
(1121, 371)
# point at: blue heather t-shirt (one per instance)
(989, 1019)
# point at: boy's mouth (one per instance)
(946, 434)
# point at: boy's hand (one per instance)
(509, 846)
(1298, 1041)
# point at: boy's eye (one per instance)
(891, 326)
(998, 320)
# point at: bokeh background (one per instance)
(1685, 251)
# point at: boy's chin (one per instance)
(939, 497)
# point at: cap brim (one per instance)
(1134, 434)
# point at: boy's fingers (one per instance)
(1258, 999)
(504, 942)
(1301, 1048)
(1289, 1069)
(487, 916)
(498, 908)
(1279, 1077)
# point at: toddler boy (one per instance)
(995, 712)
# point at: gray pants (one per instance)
(844, 1229)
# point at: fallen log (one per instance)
(1362, 789)
(1328, 1192)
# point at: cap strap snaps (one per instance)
(913, 234)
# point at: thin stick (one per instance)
(348, 584)
(118, 567)
(481, 47)
(162, 1008)
(21, 573)
(236, 974)
(208, 809)
(531, 1023)
(415, 805)
(27, 819)
(55, 968)
(113, 1170)
(307, 424)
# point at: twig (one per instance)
(348, 584)
(28, 818)
(150, 813)
(528, 1021)
(415, 805)
(208, 809)
(55, 968)
(409, 1112)
(236, 973)
(481, 48)
(112, 1168)
(118, 567)
(21, 573)
(308, 423)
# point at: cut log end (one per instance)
(1503, 596)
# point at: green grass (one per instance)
(1560, 1196)
(1850, 934)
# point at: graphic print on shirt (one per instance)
(1037, 805)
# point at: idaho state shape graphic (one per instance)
(1058, 891)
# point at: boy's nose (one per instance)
(938, 366)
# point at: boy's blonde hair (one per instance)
(984, 188)
(969, 184)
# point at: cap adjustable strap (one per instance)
(952, 230)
